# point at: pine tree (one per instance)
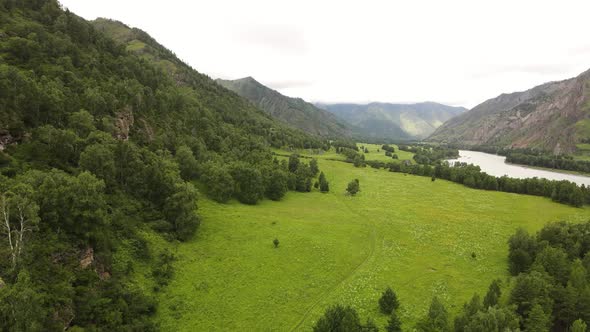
(388, 301)
(324, 185)
(393, 324)
(578, 326)
(537, 320)
(493, 294)
(437, 318)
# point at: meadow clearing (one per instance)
(403, 231)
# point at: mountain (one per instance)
(394, 121)
(295, 112)
(554, 116)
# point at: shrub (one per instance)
(353, 187)
(388, 301)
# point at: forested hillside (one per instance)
(101, 141)
(293, 111)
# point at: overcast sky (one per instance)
(454, 52)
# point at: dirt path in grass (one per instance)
(348, 276)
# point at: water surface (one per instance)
(496, 165)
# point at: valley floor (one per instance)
(403, 231)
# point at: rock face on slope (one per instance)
(554, 116)
(295, 112)
(394, 121)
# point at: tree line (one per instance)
(565, 192)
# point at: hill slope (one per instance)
(293, 111)
(553, 116)
(101, 142)
(394, 121)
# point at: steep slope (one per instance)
(293, 111)
(554, 116)
(395, 121)
(101, 142)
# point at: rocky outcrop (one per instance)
(5, 140)
(87, 258)
(123, 123)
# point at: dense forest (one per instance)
(550, 291)
(98, 145)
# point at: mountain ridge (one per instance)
(554, 116)
(394, 121)
(295, 112)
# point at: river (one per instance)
(496, 165)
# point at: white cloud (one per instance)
(353, 51)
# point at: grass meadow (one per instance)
(403, 231)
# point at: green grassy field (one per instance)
(375, 153)
(402, 231)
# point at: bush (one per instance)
(353, 187)
(323, 183)
(388, 301)
(339, 318)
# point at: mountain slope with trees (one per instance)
(295, 112)
(554, 117)
(394, 121)
(101, 142)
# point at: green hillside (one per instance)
(293, 111)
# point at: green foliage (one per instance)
(187, 163)
(353, 187)
(339, 318)
(388, 301)
(275, 242)
(249, 186)
(21, 306)
(313, 167)
(470, 309)
(537, 320)
(437, 318)
(578, 326)
(529, 289)
(493, 319)
(293, 163)
(393, 324)
(523, 249)
(99, 159)
(278, 185)
(492, 297)
(220, 183)
(82, 122)
(180, 210)
(324, 185)
(164, 270)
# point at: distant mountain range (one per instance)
(295, 112)
(394, 121)
(554, 116)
